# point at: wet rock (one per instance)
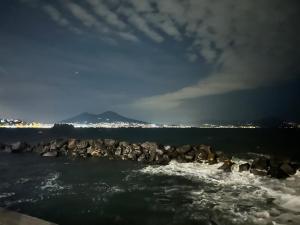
(50, 154)
(221, 157)
(189, 158)
(18, 147)
(258, 172)
(159, 151)
(202, 152)
(118, 151)
(183, 149)
(261, 163)
(96, 153)
(110, 142)
(150, 149)
(162, 159)
(260, 166)
(244, 167)
(181, 159)
(288, 169)
(72, 144)
(227, 166)
(167, 148)
(211, 158)
(141, 158)
(82, 144)
(123, 144)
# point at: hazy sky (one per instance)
(154, 60)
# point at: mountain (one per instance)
(106, 117)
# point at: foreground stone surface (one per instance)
(13, 218)
(152, 153)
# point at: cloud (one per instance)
(249, 44)
(85, 17)
(141, 24)
(102, 10)
(55, 15)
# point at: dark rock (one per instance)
(181, 159)
(261, 163)
(110, 142)
(211, 158)
(288, 169)
(227, 166)
(259, 172)
(118, 151)
(183, 149)
(72, 144)
(82, 144)
(18, 147)
(159, 152)
(142, 158)
(123, 144)
(202, 152)
(162, 159)
(189, 158)
(260, 166)
(244, 167)
(221, 157)
(150, 148)
(50, 154)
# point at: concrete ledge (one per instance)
(13, 218)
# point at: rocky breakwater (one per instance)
(153, 153)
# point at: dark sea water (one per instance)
(98, 191)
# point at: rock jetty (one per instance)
(152, 153)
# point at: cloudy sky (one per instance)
(156, 60)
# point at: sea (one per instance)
(96, 191)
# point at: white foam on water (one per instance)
(51, 183)
(243, 198)
(7, 195)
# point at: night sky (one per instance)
(172, 61)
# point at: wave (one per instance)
(238, 197)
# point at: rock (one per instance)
(227, 166)
(221, 157)
(142, 158)
(261, 166)
(150, 148)
(110, 142)
(159, 152)
(202, 153)
(183, 149)
(18, 147)
(96, 153)
(189, 158)
(261, 163)
(211, 158)
(72, 144)
(50, 154)
(118, 151)
(123, 144)
(288, 169)
(259, 172)
(244, 167)
(162, 159)
(82, 144)
(167, 148)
